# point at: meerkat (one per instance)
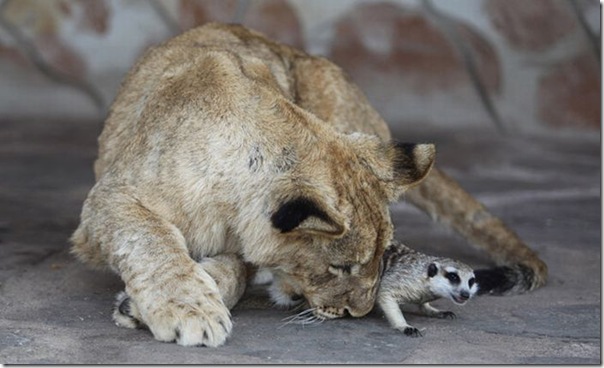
(411, 277)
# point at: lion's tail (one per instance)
(518, 269)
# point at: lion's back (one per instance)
(158, 88)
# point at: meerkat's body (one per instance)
(411, 277)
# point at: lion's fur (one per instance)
(224, 145)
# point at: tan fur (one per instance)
(211, 134)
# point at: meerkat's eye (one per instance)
(471, 282)
(453, 278)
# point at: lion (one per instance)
(223, 148)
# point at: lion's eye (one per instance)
(338, 269)
(343, 269)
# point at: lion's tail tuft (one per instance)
(507, 280)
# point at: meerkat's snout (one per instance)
(465, 294)
(462, 297)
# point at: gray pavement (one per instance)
(55, 310)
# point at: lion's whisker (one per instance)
(305, 317)
(294, 317)
(298, 306)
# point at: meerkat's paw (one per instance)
(445, 315)
(410, 331)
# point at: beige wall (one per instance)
(523, 66)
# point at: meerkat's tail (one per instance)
(518, 270)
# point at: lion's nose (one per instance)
(357, 312)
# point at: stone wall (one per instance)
(509, 65)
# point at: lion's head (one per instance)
(332, 218)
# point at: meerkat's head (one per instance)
(452, 280)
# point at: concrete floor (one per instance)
(55, 310)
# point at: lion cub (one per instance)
(224, 146)
(411, 277)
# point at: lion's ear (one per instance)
(399, 166)
(305, 215)
(410, 164)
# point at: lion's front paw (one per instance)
(204, 321)
(183, 307)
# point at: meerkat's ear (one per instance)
(432, 270)
(306, 215)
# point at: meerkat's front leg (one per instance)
(430, 311)
(395, 317)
